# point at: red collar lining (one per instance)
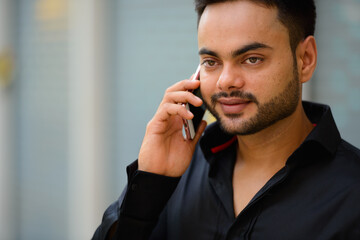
(223, 146)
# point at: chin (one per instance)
(233, 125)
(239, 126)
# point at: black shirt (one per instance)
(315, 196)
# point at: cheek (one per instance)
(208, 85)
(206, 91)
(259, 84)
(263, 85)
(273, 83)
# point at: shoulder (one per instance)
(346, 166)
(348, 154)
(351, 150)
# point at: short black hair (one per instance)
(298, 16)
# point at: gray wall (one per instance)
(143, 39)
(156, 46)
(41, 126)
(337, 78)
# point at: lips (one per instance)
(233, 105)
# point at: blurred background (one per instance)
(79, 80)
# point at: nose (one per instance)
(230, 79)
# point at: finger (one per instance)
(169, 109)
(185, 85)
(182, 97)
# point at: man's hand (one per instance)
(164, 150)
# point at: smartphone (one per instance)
(191, 126)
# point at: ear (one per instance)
(307, 58)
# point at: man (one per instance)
(271, 167)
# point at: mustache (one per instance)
(238, 94)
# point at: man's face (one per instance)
(249, 78)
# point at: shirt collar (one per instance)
(215, 140)
(325, 134)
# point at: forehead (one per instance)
(240, 22)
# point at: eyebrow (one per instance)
(238, 52)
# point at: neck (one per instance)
(272, 146)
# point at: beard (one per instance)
(276, 109)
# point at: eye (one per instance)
(253, 60)
(209, 63)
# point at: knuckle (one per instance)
(168, 96)
(168, 90)
(149, 124)
(166, 106)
